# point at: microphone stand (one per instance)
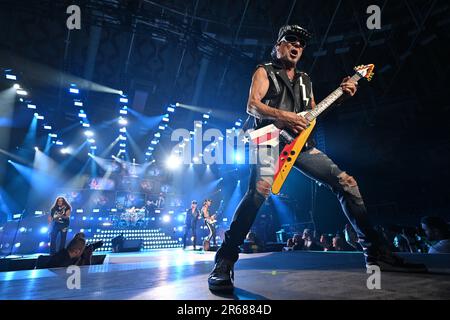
(15, 235)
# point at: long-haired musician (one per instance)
(59, 219)
(209, 222)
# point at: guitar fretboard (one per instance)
(328, 101)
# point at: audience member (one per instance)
(325, 242)
(437, 231)
(338, 243)
(309, 241)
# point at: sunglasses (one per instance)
(293, 39)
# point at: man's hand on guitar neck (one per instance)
(291, 121)
(349, 87)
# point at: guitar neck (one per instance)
(328, 101)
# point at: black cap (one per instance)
(294, 29)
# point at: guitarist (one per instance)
(277, 93)
(59, 219)
(210, 221)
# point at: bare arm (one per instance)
(255, 107)
(258, 89)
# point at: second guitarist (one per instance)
(210, 221)
(59, 219)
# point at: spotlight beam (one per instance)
(53, 77)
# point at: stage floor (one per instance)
(177, 274)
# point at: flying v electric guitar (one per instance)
(271, 135)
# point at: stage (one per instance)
(174, 274)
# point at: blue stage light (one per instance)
(82, 115)
(170, 109)
(74, 90)
(23, 229)
(86, 125)
(158, 135)
(123, 121)
(78, 103)
(173, 162)
(89, 133)
(237, 157)
(10, 77)
(53, 135)
(165, 119)
(161, 127)
(21, 92)
(91, 140)
(123, 112)
(31, 106)
(41, 244)
(237, 123)
(48, 127)
(17, 245)
(124, 100)
(43, 230)
(205, 116)
(123, 130)
(59, 143)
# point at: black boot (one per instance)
(221, 277)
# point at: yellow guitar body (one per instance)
(288, 156)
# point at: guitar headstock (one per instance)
(365, 71)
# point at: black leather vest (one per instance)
(295, 96)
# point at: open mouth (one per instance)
(294, 53)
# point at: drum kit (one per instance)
(132, 217)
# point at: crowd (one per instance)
(432, 236)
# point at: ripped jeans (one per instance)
(317, 166)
